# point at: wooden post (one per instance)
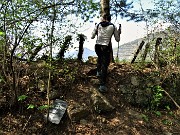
(137, 52)
(145, 51)
(81, 43)
(156, 53)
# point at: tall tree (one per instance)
(117, 8)
(105, 9)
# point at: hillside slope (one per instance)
(73, 81)
(127, 50)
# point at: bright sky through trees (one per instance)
(130, 29)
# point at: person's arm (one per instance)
(117, 34)
(93, 34)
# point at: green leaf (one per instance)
(31, 106)
(19, 54)
(171, 113)
(145, 118)
(167, 107)
(158, 113)
(22, 97)
(43, 107)
(2, 33)
(167, 122)
(1, 79)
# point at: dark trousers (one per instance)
(103, 53)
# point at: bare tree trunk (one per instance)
(50, 55)
(105, 9)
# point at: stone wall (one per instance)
(143, 90)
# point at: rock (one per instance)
(94, 81)
(141, 97)
(134, 81)
(130, 98)
(168, 133)
(76, 112)
(135, 114)
(122, 89)
(83, 122)
(100, 102)
(127, 92)
(57, 111)
(54, 94)
(92, 59)
(42, 85)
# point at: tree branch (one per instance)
(43, 9)
(176, 104)
(132, 15)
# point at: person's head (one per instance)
(106, 17)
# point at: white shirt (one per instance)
(104, 32)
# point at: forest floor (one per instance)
(125, 119)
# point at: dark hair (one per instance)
(107, 17)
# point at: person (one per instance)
(104, 32)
